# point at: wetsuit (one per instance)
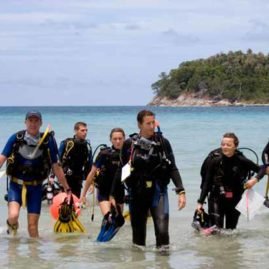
(153, 165)
(265, 155)
(224, 182)
(107, 163)
(27, 170)
(76, 158)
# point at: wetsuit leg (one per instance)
(102, 196)
(231, 215)
(216, 211)
(14, 193)
(75, 185)
(33, 196)
(139, 206)
(34, 199)
(119, 194)
(160, 217)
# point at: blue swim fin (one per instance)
(111, 224)
(104, 227)
(110, 233)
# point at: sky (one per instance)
(97, 52)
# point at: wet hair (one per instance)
(233, 136)
(143, 113)
(78, 124)
(116, 130)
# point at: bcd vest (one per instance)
(76, 157)
(148, 162)
(21, 163)
(237, 174)
(146, 154)
(110, 161)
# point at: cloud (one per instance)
(180, 39)
(259, 31)
(101, 47)
(35, 17)
(132, 27)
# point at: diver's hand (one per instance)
(68, 191)
(181, 200)
(68, 195)
(91, 188)
(82, 200)
(112, 201)
(250, 183)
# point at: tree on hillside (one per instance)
(236, 76)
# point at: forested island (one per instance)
(235, 78)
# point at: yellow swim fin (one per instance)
(64, 222)
(61, 227)
(77, 225)
(68, 221)
(126, 215)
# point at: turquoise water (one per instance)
(193, 132)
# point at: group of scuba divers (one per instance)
(141, 165)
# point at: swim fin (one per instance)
(200, 220)
(126, 215)
(62, 227)
(104, 227)
(77, 225)
(210, 230)
(111, 224)
(64, 222)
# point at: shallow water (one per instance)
(193, 132)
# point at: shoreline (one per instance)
(192, 100)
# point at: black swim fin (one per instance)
(111, 224)
(200, 220)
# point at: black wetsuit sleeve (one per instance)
(251, 166)
(124, 158)
(265, 154)
(173, 170)
(208, 183)
(125, 152)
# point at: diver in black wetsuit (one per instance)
(225, 182)
(103, 171)
(152, 166)
(76, 157)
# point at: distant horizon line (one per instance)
(73, 105)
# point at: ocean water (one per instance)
(193, 132)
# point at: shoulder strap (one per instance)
(159, 136)
(20, 135)
(89, 146)
(69, 144)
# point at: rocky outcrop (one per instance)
(191, 99)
